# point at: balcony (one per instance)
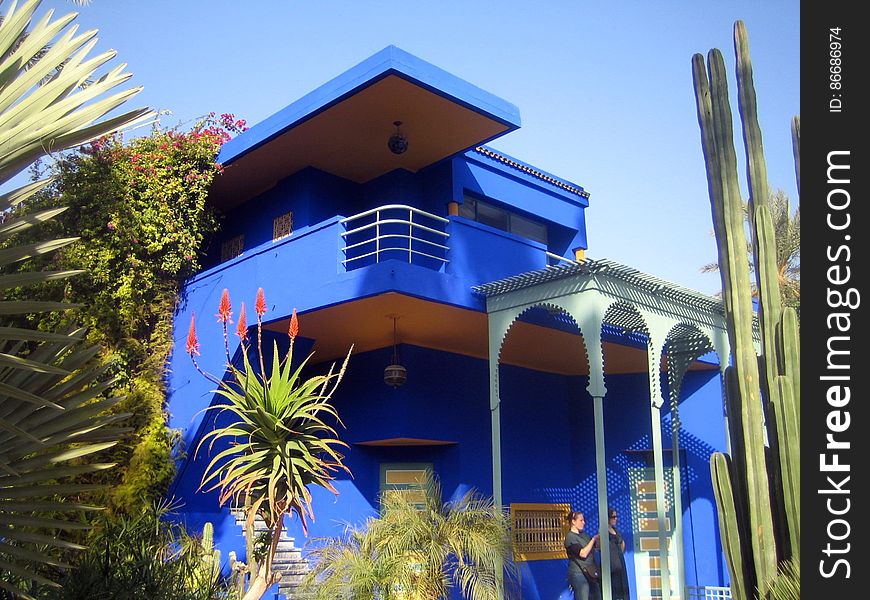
(395, 231)
(389, 248)
(404, 233)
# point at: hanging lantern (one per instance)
(397, 143)
(395, 375)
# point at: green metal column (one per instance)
(677, 366)
(498, 324)
(723, 351)
(601, 476)
(495, 419)
(653, 353)
(588, 311)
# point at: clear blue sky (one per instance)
(604, 88)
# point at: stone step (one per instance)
(288, 558)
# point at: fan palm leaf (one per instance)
(419, 550)
(53, 419)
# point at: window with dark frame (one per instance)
(409, 478)
(503, 219)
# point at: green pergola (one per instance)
(679, 325)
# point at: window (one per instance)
(282, 226)
(410, 478)
(538, 531)
(501, 218)
(232, 248)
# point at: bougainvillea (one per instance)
(140, 209)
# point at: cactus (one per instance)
(796, 148)
(211, 558)
(206, 569)
(758, 489)
(720, 466)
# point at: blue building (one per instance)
(551, 381)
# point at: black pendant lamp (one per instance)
(395, 375)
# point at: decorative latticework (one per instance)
(232, 248)
(282, 226)
(538, 531)
(685, 345)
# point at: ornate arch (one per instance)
(598, 294)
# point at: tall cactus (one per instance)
(206, 570)
(210, 556)
(757, 491)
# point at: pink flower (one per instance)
(192, 343)
(294, 326)
(260, 306)
(224, 308)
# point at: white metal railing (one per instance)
(555, 259)
(391, 230)
(708, 592)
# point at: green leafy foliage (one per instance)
(140, 209)
(787, 583)
(414, 552)
(141, 556)
(56, 409)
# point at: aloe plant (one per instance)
(757, 489)
(280, 442)
(51, 402)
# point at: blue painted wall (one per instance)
(316, 197)
(547, 456)
(550, 458)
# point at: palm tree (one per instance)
(351, 566)
(418, 551)
(787, 229)
(51, 401)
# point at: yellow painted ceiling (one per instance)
(349, 139)
(367, 324)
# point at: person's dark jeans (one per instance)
(581, 587)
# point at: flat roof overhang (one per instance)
(367, 324)
(343, 127)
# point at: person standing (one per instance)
(618, 572)
(583, 573)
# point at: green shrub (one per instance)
(140, 209)
(141, 556)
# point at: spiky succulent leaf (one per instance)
(48, 397)
(280, 441)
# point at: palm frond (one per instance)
(51, 426)
(420, 550)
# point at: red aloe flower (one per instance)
(260, 306)
(224, 308)
(192, 343)
(242, 327)
(294, 325)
